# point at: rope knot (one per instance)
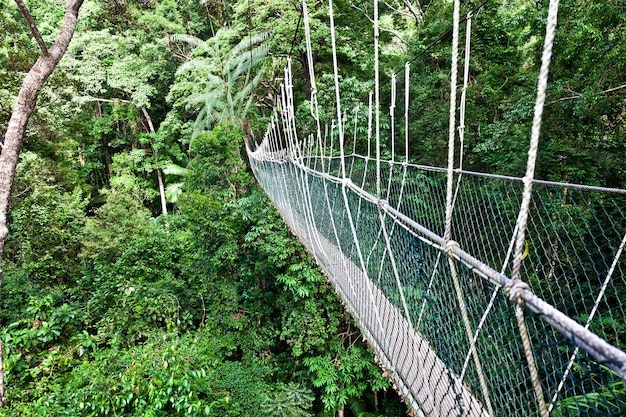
(381, 203)
(515, 289)
(450, 246)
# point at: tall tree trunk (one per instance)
(156, 157)
(24, 107)
(105, 145)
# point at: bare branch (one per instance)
(610, 90)
(391, 31)
(33, 27)
(416, 11)
(107, 100)
(577, 96)
(563, 99)
(398, 10)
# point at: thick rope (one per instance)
(392, 116)
(452, 119)
(346, 181)
(516, 287)
(450, 205)
(377, 97)
(461, 128)
(337, 92)
(492, 300)
(407, 93)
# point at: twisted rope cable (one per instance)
(407, 93)
(516, 287)
(392, 115)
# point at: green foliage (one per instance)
(605, 399)
(46, 223)
(348, 374)
(291, 400)
(46, 341)
(230, 85)
(123, 217)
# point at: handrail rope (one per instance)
(472, 335)
(380, 230)
(382, 216)
(466, 68)
(332, 142)
(356, 120)
(452, 120)
(278, 139)
(461, 127)
(369, 149)
(394, 267)
(599, 298)
(314, 106)
(369, 126)
(377, 110)
(598, 348)
(461, 130)
(377, 97)
(573, 186)
(307, 207)
(517, 286)
(430, 284)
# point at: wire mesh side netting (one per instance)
(395, 279)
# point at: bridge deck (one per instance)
(420, 375)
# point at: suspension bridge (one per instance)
(482, 295)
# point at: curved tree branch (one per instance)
(33, 27)
(24, 107)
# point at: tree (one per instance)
(230, 85)
(24, 107)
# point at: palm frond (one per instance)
(246, 43)
(188, 39)
(173, 191)
(199, 63)
(173, 169)
(248, 88)
(238, 64)
(229, 90)
(251, 86)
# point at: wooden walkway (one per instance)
(418, 373)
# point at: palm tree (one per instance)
(230, 85)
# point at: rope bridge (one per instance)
(478, 299)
